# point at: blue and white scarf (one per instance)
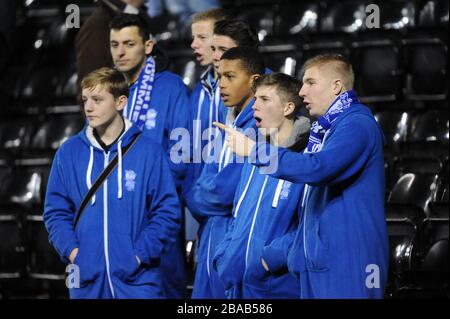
(320, 127)
(141, 99)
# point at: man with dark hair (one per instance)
(341, 246)
(229, 34)
(212, 194)
(92, 40)
(158, 105)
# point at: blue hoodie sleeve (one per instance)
(344, 153)
(59, 211)
(214, 191)
(179, 147)
(164, 212)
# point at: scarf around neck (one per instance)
(320, 127)
(140, 104)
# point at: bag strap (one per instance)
(99, 181)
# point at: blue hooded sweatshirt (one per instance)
(264, 226)
(212, 199)
(341, 247)
(135, 213)
(206, 107)
(169, 110)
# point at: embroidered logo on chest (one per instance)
(130, 180)
(285, 190)
(150, 121)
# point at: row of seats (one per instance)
(28, 136)
(411, 68)
(417, 216)
(293, 17)
(288, 16)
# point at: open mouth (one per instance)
(258, 121)
(198, 56)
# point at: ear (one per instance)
(289, 109)
(121, 101)
(338, 87)
(148, 45)
(253, 78)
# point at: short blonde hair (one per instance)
(210, 15)
(340, 64)
(113, 80)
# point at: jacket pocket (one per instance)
(255, 274)
(89, 259)
(317, 249)
(123, 261)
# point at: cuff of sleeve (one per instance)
(70, 245)
(146, 257)
(275, 259)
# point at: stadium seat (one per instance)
(343, 16)
(280, 57)
(55, 130)
(377, 71)
(27, 193)
(43, 261)
(395, 126)
(296, 18)
(16, 134)
(425, 64)
(11, 248)
(428, 137)
(397, 15)
(258, 17)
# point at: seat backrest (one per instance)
(425, 67)
(55, 130)
(397, 15)
(395, 126)
(28, 189)
(414, 189)
(437, 257)
(343, 16)
(430, 126)
(297, 18)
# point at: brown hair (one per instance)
(341, 66)
(287, 87)
(213, 15)
(113, 80)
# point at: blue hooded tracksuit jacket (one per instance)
(341, 247)
(264, 226)
(206, 107)
(135, 213)
(169, 110)
(212, 200)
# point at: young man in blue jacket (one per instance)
(159, 106)
(265, 208)
(213, 193)
(132, 218)
(212, 34)
(341, 247)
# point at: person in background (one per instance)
(159, 106)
